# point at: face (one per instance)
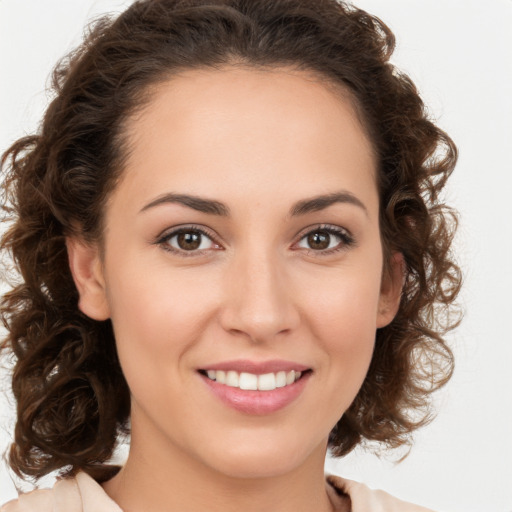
(242, 269)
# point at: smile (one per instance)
(256, 387)
(251, 381)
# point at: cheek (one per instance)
(346, 331)
(157, 314)
(342, 317)
(343, 303)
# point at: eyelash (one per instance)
(347, 240)
(163, 240)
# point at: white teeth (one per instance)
(280, 379)
(266, 382)
(232, 379)
(250, 381)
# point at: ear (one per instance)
(391, 290)
(87, 271)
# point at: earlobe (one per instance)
(87, 271)
(391, 290)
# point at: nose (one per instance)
(258, 298)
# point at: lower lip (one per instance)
(257, 402)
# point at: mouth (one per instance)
(255, 382)
(256, 387)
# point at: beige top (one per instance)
(83, 494)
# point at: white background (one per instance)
(459, 52)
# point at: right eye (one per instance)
(187, 240)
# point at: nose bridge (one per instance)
(258, 300)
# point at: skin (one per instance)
(259, 142)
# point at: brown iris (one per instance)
(189, 240)
(319, 240)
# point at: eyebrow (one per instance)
(200, 204)
(212, 207)
(319, 203)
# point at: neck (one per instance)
(168, 480)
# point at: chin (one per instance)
(256, 468)
(265, 460)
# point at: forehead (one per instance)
(273, 126)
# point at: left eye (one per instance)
(321, 240)
(189, 240)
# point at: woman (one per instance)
(232, 246)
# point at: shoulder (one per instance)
(40, 500)
(364, 499)
(44, 500)
(67, 495)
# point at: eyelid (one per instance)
(346, 236)
(169, 233)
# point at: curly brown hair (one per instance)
(72, 398)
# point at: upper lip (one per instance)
(257, 367)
